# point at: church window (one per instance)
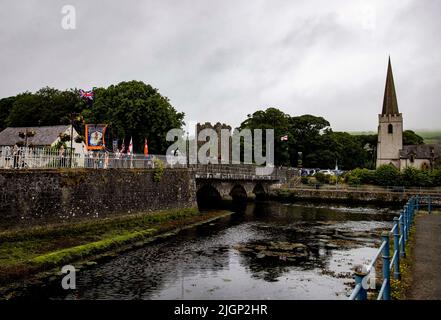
(390, 128)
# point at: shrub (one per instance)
(387, 175)
(158, 171)
(414, 177)
(435, 177)
(360, 176)
(332, 179)
(322, 178)
(304, 180)
(409, 176)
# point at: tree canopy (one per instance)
(410, 137)
(136, 109)
(131, 109)
(311, 136)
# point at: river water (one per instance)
(233, 257)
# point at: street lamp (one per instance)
(72, 119)
(25, 135)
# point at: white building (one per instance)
(47, 136)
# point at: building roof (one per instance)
(44, 136)
(390, 104)
(421, 151)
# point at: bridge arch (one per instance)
(208, 197)
(259, 191)
(238, 192)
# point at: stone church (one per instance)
(390, 149)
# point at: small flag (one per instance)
(123, 147)
(284, 138)
(130, 150)
(146, 147)
(86, 94)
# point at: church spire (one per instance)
(390, 104)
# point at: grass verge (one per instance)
(400, 288)
(27, 252)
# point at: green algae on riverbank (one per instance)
(26, 252)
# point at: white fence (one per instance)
(43, 158)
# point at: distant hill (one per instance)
(357, 133)
(430, 137)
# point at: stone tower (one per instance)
(218, 127)
(390, 127)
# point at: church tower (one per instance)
(390, 127)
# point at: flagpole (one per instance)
(71, 137)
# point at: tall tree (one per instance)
(271, 118)
(48, 106)
(306, 137)
(410, 137)
(135, 109)
(5, 108)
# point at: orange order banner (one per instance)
(95, 136)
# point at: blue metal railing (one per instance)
(400, 234)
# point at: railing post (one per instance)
(429, 204)
(409, 213)
(412, 213)
(403, 237)
(359, 276)
(397, 274)
(386, 263)
(405, 221)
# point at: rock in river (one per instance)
(280, 250)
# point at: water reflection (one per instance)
(205, 262)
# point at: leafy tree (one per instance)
(312, 137)
(410, 137)
(5, 108)
(272, 118)
(369, 144)
(435, 177)
(132, 109)
(48, 106)
(135, 109)
(306, 137)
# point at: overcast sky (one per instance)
(219, 60)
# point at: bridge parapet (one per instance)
(243, 172)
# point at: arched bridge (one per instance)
(237, 182)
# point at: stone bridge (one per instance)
(39, 195)
(237, 182)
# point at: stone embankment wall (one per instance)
(36, 196)
(341, 196)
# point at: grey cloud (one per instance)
(221, 60)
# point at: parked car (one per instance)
(328, 172)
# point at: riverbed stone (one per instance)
(280, 250)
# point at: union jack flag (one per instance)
(86, 94)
